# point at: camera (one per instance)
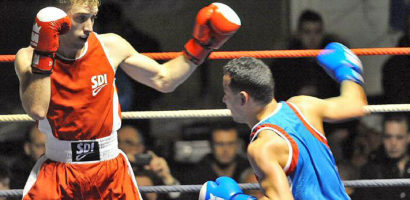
(142, 159)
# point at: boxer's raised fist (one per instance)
(341, 63)
(214, 25)
(49, 24)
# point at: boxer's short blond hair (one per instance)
(67, 4)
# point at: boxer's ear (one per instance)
(244, 97)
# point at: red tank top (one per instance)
(84, 102)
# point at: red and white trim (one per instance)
(293, 156)
(317, 134)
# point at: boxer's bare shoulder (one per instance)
(118, 48)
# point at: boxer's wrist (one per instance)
(42, 62)
(196, 52)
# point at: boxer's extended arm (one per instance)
(214, 25)
(35, 90)
(162, 77)
(165, 78)
(269, 154)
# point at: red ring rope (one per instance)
(265, 54)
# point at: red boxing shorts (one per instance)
(92, 169)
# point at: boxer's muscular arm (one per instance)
(214, 25)
(346, 68)
(35, 90)
(34, 74)
(164, 78)
(349, 104)
(269, 154)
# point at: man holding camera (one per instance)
(147, 163)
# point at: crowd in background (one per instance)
(368, 148)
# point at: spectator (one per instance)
(290, 74)
(4, 178)
(34, 147)
(224, 160)
(131, 141)
(396, 72)
(391, 161)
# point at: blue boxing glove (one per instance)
(224, 188)
(341, 63)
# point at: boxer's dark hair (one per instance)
(251, 75)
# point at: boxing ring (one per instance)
(213, 113)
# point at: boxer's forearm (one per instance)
(35, 95)
(35, 89)
(354, 96)
(178, 70)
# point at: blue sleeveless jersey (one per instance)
(311, 167)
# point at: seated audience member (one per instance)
(391, 161)
(224, 160)
(34, 147)
(131, 141)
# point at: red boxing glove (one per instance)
(50, 23)
(215, 24)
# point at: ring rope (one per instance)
(244, 186)
(7, 58)
(265, 53)
(256, 186)
(201, 113)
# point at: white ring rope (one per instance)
(201, 113)
(387, 108)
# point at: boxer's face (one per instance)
(82, 21)
(232, 100)
(396, 138)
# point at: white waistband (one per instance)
(61, 150)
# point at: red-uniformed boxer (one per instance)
(67, 84)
